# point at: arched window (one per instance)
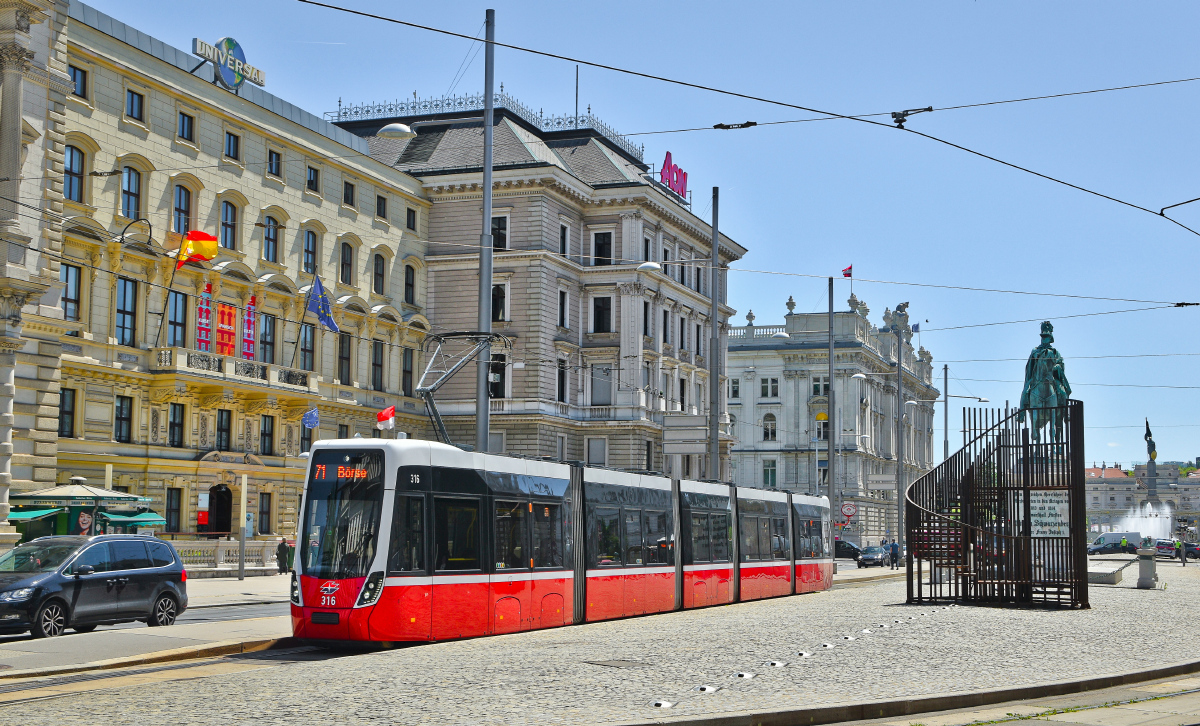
(347, 267)
(410, 285)
(73, 174)
(228, 225)
(377, 265)
(131, 193)
(310, 251)
(183, 209)
(271, 240)
(769, 427)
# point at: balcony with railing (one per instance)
(230, 369)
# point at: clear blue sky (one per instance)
(815, 197)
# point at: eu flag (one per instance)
(311, 418)
(318, 302)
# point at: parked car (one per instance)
(847, 550)
(874, 556)
(1166, 548)
(1111, 548)
(53, 583)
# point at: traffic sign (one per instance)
(684, 447)
(849, 509)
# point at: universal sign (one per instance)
(673, 177)
(229, 61)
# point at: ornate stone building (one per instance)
(174, 384)
(600, 349)
(778, 392)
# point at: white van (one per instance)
(1132, 538)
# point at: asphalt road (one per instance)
(195, 615)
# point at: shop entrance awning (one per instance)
(31, 514)
(144, 519)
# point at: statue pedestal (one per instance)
(1147, 568)
(9, 536)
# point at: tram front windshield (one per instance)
(340, 528)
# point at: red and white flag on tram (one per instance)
(848, 272)
(386, 419)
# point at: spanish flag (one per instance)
(196, 246)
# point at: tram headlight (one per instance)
(371, 589)
(295, 588)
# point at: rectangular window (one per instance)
(313, 182)
(377, 365)
(264, 513)
(410, 284)
(722, 535)
(768, 388)
(229, 225)
(562, 308)
(406, 554)
(347, 194)
(602, 385)
(606, 535)
(187, 127)
(701, 545)
(233, 146)
(134, 102)
(410, 219)
(547, 535)
(224, 429)
(682, 394)
(564, 234)
(69, 275)
(597, 452)
(305, 438)
(381, 206)
(266, 436)
(646, 318)
(66, 413)
(735, 387)
(126, 319)
(131, 193)
(562, 447)
(173, 509)
(750, 545)
(646, 249)
(499, 233)
(183, 209)
(177, 320)
(823, 430)
(175, 416)
(274, 163)
(78, 81)
(602, 315)
(456, 541)
(307, 336)
(496, 375)
(820, 385)
(683, 339)
(699, 340)
(406, 373)
(271, 240)
(499, 303)
(666, 327)
(123, 416)
(649, 456)
(512, 531)
(769, 474)
(346, 276)
(266, 338)
(310, 251)
(343, 431)
(602, 248)
(562, 382)
(634, 553)
(344, 346)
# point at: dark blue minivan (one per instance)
(53, 583)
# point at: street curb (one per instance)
(906, 707)
(238, 603)
(209, 650)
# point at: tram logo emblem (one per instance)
(330, 588)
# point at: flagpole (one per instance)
(170, 282)
(303, 315)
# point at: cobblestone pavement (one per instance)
(552, 677)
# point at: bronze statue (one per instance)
(1046, 388)
(1151, 449)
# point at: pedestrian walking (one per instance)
(281, 556)
(895, 549)
(1179, 550)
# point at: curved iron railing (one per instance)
(1002, 520)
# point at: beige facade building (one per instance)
(600, 350)
(175, 384)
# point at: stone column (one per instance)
(14, 62)
(10, 342)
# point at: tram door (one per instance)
(635, 559)
(460, 587)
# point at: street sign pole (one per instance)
(242, 532)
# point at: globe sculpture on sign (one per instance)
(231, 76)
(1046, 389)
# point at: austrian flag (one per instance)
(386, 419)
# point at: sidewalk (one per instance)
(222, 591)
(849, 571)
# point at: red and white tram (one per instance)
(414, 540)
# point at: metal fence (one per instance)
(1002, 520)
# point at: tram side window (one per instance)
(512, 534)
(547, 535)
(407, 551)
(660, 549)
(802, 539)
(701, 552)
(749, 532)
(456, 534)
(779, 542)
(721, 537)
(606, 537)
(633, 537)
